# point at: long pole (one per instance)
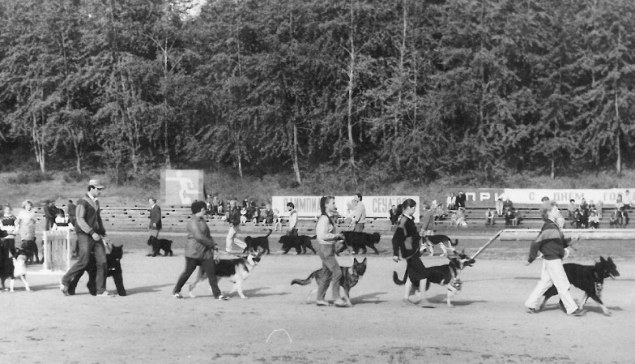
(480, 250)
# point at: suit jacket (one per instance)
(155, 218)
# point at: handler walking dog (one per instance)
(551, 243)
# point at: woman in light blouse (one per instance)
(327, 237)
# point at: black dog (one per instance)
(590, 279)
(446, 275)
(29, 247)
(300, 243)
(7, 252)
(359, 240)
(350, 277)
(113, 261)
(260, 241)
(160, 244)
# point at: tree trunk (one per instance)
(553, 168)
(618, 148)
(38, 146)
(166, 120)
(296, 166)
(351, 85)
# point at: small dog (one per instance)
(258, 242)
(440, 240)
(350, 278)
(160, 244)
(360, 240)
(19, 270)
(446, 275)
(588, 278)
(236, 270)
(300, 243)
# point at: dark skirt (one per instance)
(416, 269)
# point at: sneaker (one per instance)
(222, 298)
(321, 303)
(578, 312)
(177, 295)
(340, 303)
(64, 290)
(531, 310)
(105, 294)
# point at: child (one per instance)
(489, 217)
(277, 221)
(19, 270)
(243, 216)
(594, 220)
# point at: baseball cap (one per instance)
(96, 183)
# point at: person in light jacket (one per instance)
(327, 237)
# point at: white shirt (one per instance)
(293, 219)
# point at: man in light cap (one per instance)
(90, 231)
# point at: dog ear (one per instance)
(364, 261)
(355, 261)
(602, 259)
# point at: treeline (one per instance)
(383, 90)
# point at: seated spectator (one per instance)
(489, 217)
(269, 215)
(518, 217)
(394, 215)
(508, 204)
(594, 221)
(499, 207)
(256, 216)
(221, 207)
(439, 213)
(460, 199)
(619, 203)
(243, 216)
(509, 215)
(628, 200)
(460, 217)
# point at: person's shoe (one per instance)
(177, 295)
(578, 312)
(341, 303)
(531, 310)
(64, 290)
(321, 303)
(105, 294)
(222, 298)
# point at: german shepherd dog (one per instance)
(236, 270)
(160, 244)
(440, 240)
(255, 243)
(359, 240)
(350, 278)
(300, 243)
(588, 278)
(446, 275)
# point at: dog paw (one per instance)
(608, 313)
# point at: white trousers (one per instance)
(231, 239)
(552, 274)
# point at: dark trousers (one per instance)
(209, 266)
(86, 246)
(292, 232)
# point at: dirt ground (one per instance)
(275, 325)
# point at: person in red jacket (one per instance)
(551, 243)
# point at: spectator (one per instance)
(489, 217)
(25, 226)
(269, 215)
(221, 206)
(8, 225)
(208, 205)
(461, 199)
(214, 205)
(243, 216)
(450, 203)
(71, 212)
(359, 215)
(427, 221)
(439, 213)
(233, 218)
(499, 207)
(594, 220)
(49, 214)
(509, 216)
(571, 208)
(598, 207)
(628, 199)
(394, 218)
(460, 217)
(508, 204)
(277, 220)
(60, 220)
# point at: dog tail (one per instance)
(395, 278)
(269, 233)
(455, 243)
(303, 282)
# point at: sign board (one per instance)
(181, 186)
(309, 206)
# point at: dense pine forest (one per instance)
(384, 90)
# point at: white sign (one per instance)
(309, 206)
(563, 196)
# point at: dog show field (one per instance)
(275, 325)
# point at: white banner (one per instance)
(309, 206)
(562, 196)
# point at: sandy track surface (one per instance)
(488, 324)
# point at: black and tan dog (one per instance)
(350, 278)
(441, 240)
(160, 244)
(446, 275)
(299, 243)
(257, 242)
(588, 278)
(236, 270)
(359, 240)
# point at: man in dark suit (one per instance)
(71, 212)
(154, 228)
(49, 213)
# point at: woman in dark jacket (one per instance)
(199, 250)
(407, 241)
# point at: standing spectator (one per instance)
(215, 206)
(269, 215)
(489, 217)
(499, 207)
(90, 232)
(221, 206)
(427, 221)
(7, 224)
(460, 199)
(359, 214)
(571, 208)
(25, 226)
(598, 207)
(154, 228)
(450, 203)
(49, 214)
(394, 218)
(199, 251)
(594, 220)
(233, 218)
(71, 212)
(628, 199)
(551, 243)
(292, 230)
(277, 221)
(327, 237)
(407, 242)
